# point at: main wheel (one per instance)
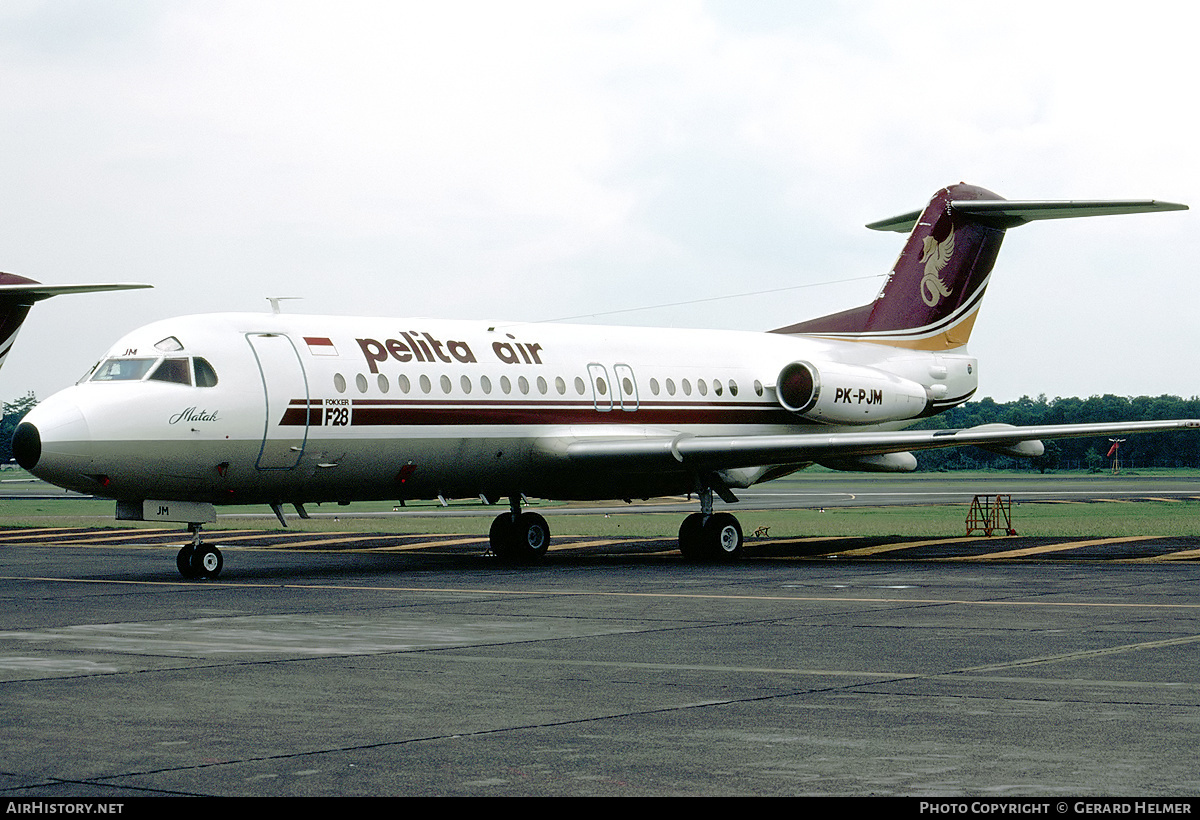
(500, 534)
(723, 537)
(520, 541)
(206, 562)
(183, 562)
(691, 533)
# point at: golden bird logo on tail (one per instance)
(935, 255)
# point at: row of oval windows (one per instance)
(543, 387)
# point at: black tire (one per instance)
(723, 537)
(183, 562)
(691, 540)
(207, 562)
(533, 534)
(500, 535)
(522, 541)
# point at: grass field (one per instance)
(1161, 518)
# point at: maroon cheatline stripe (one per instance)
(418, 412)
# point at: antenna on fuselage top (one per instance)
(275, 300)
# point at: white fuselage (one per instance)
(295, 408)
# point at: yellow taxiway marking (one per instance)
(1045, 548)
(425, 544)
(881, 548)
(80, 538)
(14, 535)
(1182, 555)
(809, 540)
(330, 538)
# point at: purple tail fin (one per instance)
(932, 296)
(933, 293)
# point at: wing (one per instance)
(713, 453)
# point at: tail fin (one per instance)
(932, 296)
(17, 295)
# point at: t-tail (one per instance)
(932, 295)
(17, 295)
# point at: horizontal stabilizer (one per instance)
(36, 291)
(1003, 213)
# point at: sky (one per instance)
(682, 164)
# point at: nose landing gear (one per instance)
(196, 560)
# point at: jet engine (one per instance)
(849, 394)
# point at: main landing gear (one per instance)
(198, 560)
(519, 537)
(708, 536)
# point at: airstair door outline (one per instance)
(284, 382)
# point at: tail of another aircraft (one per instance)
(932, 296)
(17, 295)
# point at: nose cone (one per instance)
(53, 441)
(27, 445)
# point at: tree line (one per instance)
(1177, 449)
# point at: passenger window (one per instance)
(205, 375)
(172, 370)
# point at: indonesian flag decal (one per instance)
(320, 346)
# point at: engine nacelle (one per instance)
(1029, 448)
(881, 463)
(849, 394)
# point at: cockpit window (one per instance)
(172, 370)
(205, 375)
(122, 370)
(176, 370)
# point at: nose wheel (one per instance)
(197, 560)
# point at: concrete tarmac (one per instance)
(421, 667)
